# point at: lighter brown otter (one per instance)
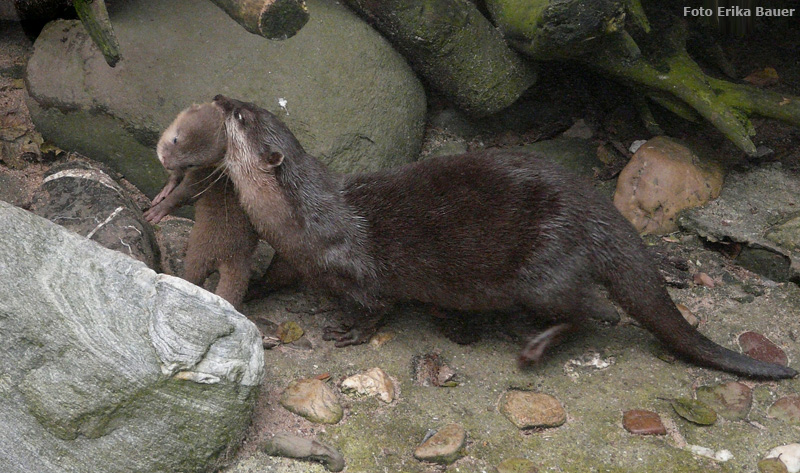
(222, 238)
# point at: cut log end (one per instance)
(281, 19)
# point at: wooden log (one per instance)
(273, 19)
(552, 29)
(94, 16)
(455, 48)
(542, 29)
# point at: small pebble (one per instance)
(430, 370)
(786, 409)
(730, 400)
(719, 455)
(312, 399)
(789, 455)
(761, 348)
(641, 422)
(703, 279)
(379, 339)
(374, 382)
(443, 447)
(636, 145)
(527, 409)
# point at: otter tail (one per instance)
(634, 283)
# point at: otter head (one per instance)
(257, 139)
(195, 139)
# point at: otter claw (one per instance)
(346, 336)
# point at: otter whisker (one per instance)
(220, 176)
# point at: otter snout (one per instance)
(226, 104)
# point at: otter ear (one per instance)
(274, 157)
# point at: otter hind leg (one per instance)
(233, 279)
(567, 308)
(198, 264)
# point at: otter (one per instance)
(222, 238)
(488, 230)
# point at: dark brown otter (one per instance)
(492, 230)
(222, 238)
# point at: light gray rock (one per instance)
(340, 87)
(108, 366)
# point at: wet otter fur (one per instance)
(489, 230)
(222, 238)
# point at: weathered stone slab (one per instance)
(750, 207)
(107, 366)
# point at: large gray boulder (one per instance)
(108, 366)
(347, 95)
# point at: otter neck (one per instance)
(299, 208)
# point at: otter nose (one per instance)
(225, 103)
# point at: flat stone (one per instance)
(443, 447)
(730, 400)
(312, 399)
(749, 207)
(527, 409)
(642, 422)
(761, 348)
(786, 409)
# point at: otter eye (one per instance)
(175, 140)
(238, 115)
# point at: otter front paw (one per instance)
(345, 336)
(157, 212)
